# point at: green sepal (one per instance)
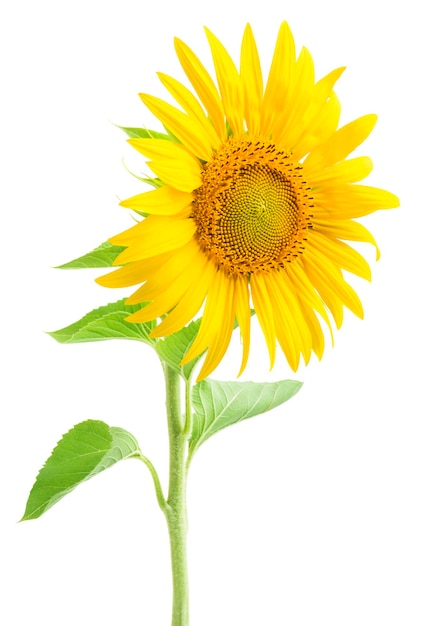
(220, 404)
(153, 182)
(173, 348)
(86, 450)
(171, 136)
(102, 256)
(143, 133)
(107, 322)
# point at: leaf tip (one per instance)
(55, 334)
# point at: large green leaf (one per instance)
(220, 404)
(107, 322)
(87, 449)
(103, 256)
(173, 348)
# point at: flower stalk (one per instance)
(176, 506)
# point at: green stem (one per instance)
(188, 425)
(176, 507)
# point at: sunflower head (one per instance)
(254, 204)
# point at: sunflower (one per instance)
(255, 202)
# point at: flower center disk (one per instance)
(253, 207)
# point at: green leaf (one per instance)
(220, 404)
(173, 348)
(107, 322)
(87, 449)
(103, 256)
(143, 133)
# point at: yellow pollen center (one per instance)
(253, 207)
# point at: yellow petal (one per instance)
(299, 329)
(326, 291)
(264, 312)
(165, 301)
(243, 315)
(154, 235)
(348, 171)
(347, 201)
(177, 176)
(183, 96)
(317, 336)
(280, 79)
(168, 271)
(162, 201)
(289, 123)
(229, 84)
(322, 127)
(130, 274)
(203, 85)
(284, 325)
(341, 254)
(347, 229)
(185, 127)
(164, 294)
(323, 88)
(340, 144)
(307, 295)
(330, 277)
(223, 324)
(313, 125)
(191, 105)
(217, 325)
(251, 76)
(203, 273)
(171, 162)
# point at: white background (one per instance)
(312, 514)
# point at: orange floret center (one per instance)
(253, 208)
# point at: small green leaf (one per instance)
(220, 404)
(107, 322)
(173, 348)
(143, 133)
(103, 256)
(87, 449)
